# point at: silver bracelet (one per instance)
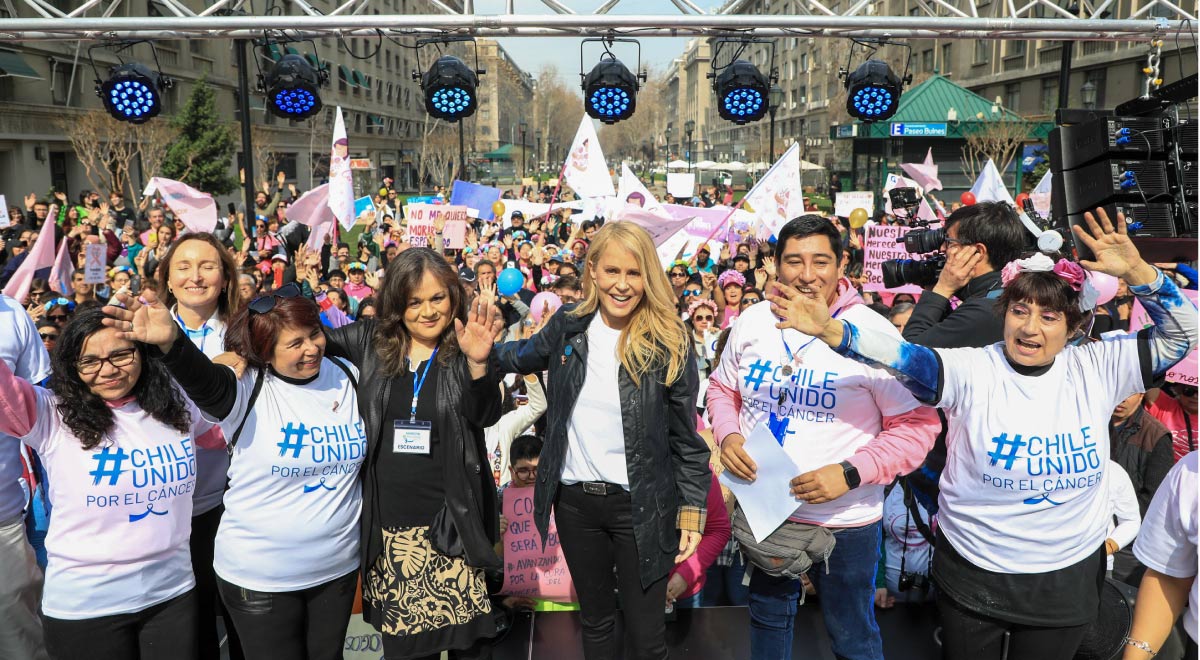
(1140, 645)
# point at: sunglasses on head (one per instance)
(265, 303)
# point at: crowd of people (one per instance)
(234, 426)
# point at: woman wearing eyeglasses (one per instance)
(287, 549)
(677, 277)
(198, 282)
(118, 440)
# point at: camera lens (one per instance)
(923, 241)
(921, 272)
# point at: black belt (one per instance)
(597, 487)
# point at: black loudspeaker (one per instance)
(1107, 137)
(1105, 638)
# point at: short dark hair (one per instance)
(1046, 290)
(252, 336)
(996, 225)
(484, 262)
(810, 225)
(524, 448)
(336, 272)
(566, 282)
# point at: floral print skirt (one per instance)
(423, 601)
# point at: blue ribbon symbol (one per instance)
(309, 489)
(134, 517)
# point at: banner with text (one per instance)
(528, 569)
(845, 202)
(423, 217)
(1185, 371)
(879, 245)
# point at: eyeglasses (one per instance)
(121, 358)
(266, 303)
(57, 319)
(678, 274)
(48, 336)
(703, 318)
(526, 472)
(1185, 390)
(746, 302)
(691, 292)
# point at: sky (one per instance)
(531, 53)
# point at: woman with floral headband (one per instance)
(1020, 548)
(729, 296)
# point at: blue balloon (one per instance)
(509, 281)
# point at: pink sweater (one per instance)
(716, 534)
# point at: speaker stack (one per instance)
(1138, 160)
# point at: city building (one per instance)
(43, 83)
(688, 99)
(502, 135)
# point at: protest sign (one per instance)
(478, 199)
(528, 569)
(1185, 371)
(94, 271)
(845, 202)
(422, 219)
(681, 185)
(879, 245)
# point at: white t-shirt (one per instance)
(1167, 542)
(211, 464)
(22, 349)
(1022, 490)
(1123, 507)
(832, 406)
(118, 540)
(294, 498)
(595, 436)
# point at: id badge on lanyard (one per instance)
(413, 436)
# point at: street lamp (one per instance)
(775, 98)
(688, 127)
(668, 134)
(524, 156)
(1089, 95)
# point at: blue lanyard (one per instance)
(204, 331)
(801, 349)
(418, 384)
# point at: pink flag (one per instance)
(312, 209)
(925, 174)
(197, 210)
(39, 257)
(60, 275)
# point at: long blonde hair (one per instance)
(655, 336)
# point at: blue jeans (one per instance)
(847, 595)
(723, 585)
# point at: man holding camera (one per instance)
(980, 240)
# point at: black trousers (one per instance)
(309, 624)
(166, 631)
(970, 636)
(208, 601)
(596, 532)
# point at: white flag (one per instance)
(585, 170)
(341, 180)
(1041, 195)
(632, 191)
(989, 187)
(777, 197)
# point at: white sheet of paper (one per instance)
(5, 221)
(767, 501)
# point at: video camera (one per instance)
(921, 272)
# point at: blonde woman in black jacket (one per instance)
(622, 466)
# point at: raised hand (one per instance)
(30, 199)
(487, 293)
(477, 335)
(808, 314)
(372, 280)
(1113, 251)
(280, 178)
(149, 324)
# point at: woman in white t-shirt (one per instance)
(118, 441)
(1023, 508)
(198, 280)
(287, 548)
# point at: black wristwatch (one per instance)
(851, 474)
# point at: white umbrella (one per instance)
(734, 166)
(805, 165)
(757, 167)
(705, 165)
(677, 163)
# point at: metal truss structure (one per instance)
(94, 20)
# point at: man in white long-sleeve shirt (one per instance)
(1123, 500)
(498, 438)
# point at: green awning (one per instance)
(360, 79)
(505, 152)
(344, 74)
(292, 51)
(273, 52)
(313, 60)
(930, 103)
(373, 120)
(12, 64)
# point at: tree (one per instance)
(557, 110)
(439, 152)
(265, 157)
(106, 148)
(633, 138)
(201, 154)
(998, 140)
(154, 138)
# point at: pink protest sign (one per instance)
(528, 569)
(879, 245)
(1185, 371)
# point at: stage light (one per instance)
(742, 92)
(132, 93)
(873, 91)
(449, 88)
(292, 88)
(610, 91)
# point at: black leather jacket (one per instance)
(468, 525)
(667, 460)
